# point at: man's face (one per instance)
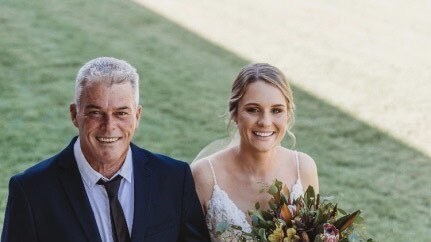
(107, 118)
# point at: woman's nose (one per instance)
(264, 119)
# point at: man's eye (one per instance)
(121, 113)
(94, 113)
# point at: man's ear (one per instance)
(138, 115)
(73, 114)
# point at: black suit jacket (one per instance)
(48, 202)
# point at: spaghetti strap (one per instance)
(297, 165)
(297, 189)
(212, 170)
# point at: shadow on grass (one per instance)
(185, 85)
(367, 168)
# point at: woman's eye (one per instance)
(276, 110)
(252, 110)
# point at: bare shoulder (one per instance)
(199, 166)
(202, 173)
(306, 161)
(204, 183)
(308, 171)
(202, 168)
(204, 177)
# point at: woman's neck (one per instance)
(257, 165)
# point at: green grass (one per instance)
(185, 85)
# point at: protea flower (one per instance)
(330, 233)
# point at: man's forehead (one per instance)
(93, 106)
(106, 95)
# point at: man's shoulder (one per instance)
(45, 168)
(35, 174)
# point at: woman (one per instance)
(229, 182)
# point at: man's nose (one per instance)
(109, 121)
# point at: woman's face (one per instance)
(261, 117)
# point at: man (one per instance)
(102, 187)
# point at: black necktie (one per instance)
(120, 233)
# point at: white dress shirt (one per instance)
(98, 196)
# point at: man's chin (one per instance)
(110, 158)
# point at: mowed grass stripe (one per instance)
(185, 85)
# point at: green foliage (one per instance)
(185, 85)
(221, 227)
(305, 218)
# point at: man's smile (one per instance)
(107, 139)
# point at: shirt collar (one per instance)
(91, 176)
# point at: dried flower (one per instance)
(291, 235)
(277, 235)
(303, 219)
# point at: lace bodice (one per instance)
(222, 209)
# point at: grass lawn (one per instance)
(185, 85)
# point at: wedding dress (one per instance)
(222, 209)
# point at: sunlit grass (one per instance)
(185, 85)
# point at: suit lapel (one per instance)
(143, 190)
(73, 186)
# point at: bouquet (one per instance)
(308, 218)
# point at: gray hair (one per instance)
(107, 70)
